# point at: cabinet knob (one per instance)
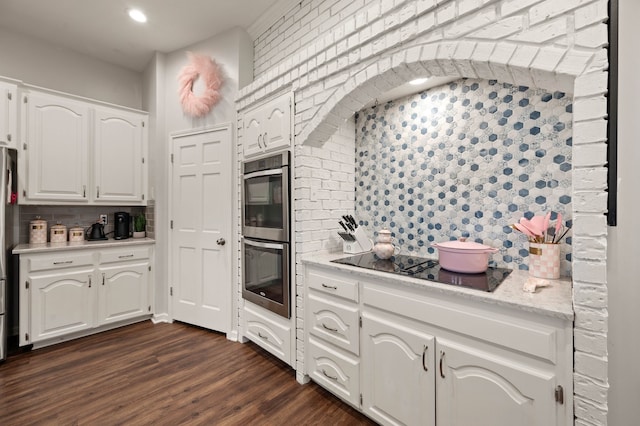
(221, 241)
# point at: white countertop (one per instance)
(81, 245)
(554, 300)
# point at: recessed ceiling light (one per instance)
(418, 81)
(137, 15)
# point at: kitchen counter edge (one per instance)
(52, 247)
(554, 300)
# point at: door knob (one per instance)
(220, 241)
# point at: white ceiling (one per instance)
(102, 28)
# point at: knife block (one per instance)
(362, 243)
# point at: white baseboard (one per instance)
(158, 318)
(232, 335)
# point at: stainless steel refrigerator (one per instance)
(7, 212)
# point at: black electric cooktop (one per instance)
(427, 269)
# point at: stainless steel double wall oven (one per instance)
(266, 233)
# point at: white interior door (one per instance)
(201, 209)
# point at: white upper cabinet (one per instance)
(119, 170)
(56, 136)
(79, 152)
(8, 114)
(267, 128)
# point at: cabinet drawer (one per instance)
(268, 333)
(60, 260)
(335, 322)
(120, 255)
(339, 373)
(333, 284)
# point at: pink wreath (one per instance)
(199, 66)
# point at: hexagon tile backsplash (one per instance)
(465, 159)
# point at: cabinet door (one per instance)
(62, 302)
(397, 372)
(252, 136)
(268, 127)
(277, 130)
(57, 135)
(119, 156)
(8, 114)
(478, 388)
(123, 292)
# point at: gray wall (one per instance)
(42, 64)
(623, 266)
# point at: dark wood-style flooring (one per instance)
(162, 374)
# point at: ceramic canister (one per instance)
(58, 233)
(38, 231)
(76, 234)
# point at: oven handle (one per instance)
(260, 244)
(264, 173)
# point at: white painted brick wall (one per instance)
(337, 54)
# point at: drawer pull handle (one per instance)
(262, 336)
(329, 328)
(89, 281)
(441, 359)
(329, 376)
(124, 256)
(332, 287)
(66, 262)
(103, 278)
(424, 357)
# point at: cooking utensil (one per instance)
(558, 226)
(464, 256)
(545, 224)
(348, 224)
(343, 226)
(523, 229)
(531, 227)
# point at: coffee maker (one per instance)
(121, 224)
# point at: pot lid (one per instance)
(58, 226)
(463, 245)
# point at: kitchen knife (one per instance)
(348, 223)
(343, 227)
(346, 236)
(353, 221)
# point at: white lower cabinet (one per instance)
(123, 292)
(485, 389)
(424, 358)
(397, 372)
(74, 291)
(61, 303)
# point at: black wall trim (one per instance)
(612, 113)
